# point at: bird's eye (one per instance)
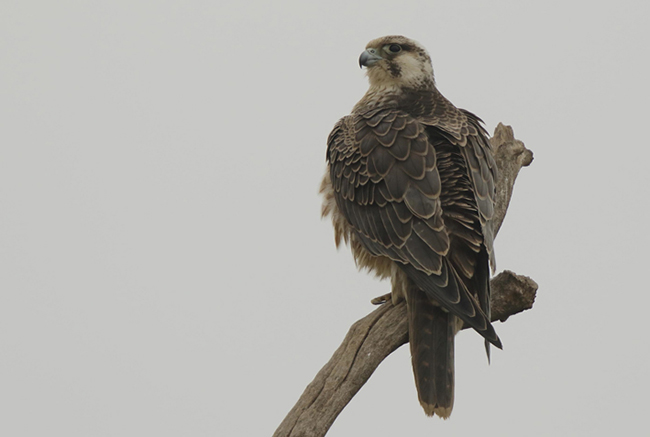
(395, 48)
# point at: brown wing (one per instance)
(463, 130)
(383, 168)
(483, 172)
(468, 252)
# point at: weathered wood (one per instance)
(381, 332)
(510, 155)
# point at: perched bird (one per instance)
(410, 186)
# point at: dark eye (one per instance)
(395, 48)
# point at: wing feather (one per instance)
(419, 190)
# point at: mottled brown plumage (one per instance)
(410, 186)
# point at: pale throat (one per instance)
(385, 88)
(414, 72)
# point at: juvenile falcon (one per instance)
(410, 187)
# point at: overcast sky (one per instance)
(164, 268)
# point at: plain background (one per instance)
(164, 269)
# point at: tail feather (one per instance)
(450, 292)
(432, 331)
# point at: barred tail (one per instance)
(431, 335)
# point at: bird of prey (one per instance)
(410, 186)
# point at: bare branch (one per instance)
(510, 155)
(381, 332)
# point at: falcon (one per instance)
(410, 187)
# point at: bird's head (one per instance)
(396, 61)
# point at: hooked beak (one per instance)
(368, 58)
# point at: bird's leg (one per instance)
(399, 283)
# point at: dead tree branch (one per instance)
(381, 332)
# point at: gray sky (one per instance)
(164, 267)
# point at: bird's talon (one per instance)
(381, 299)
